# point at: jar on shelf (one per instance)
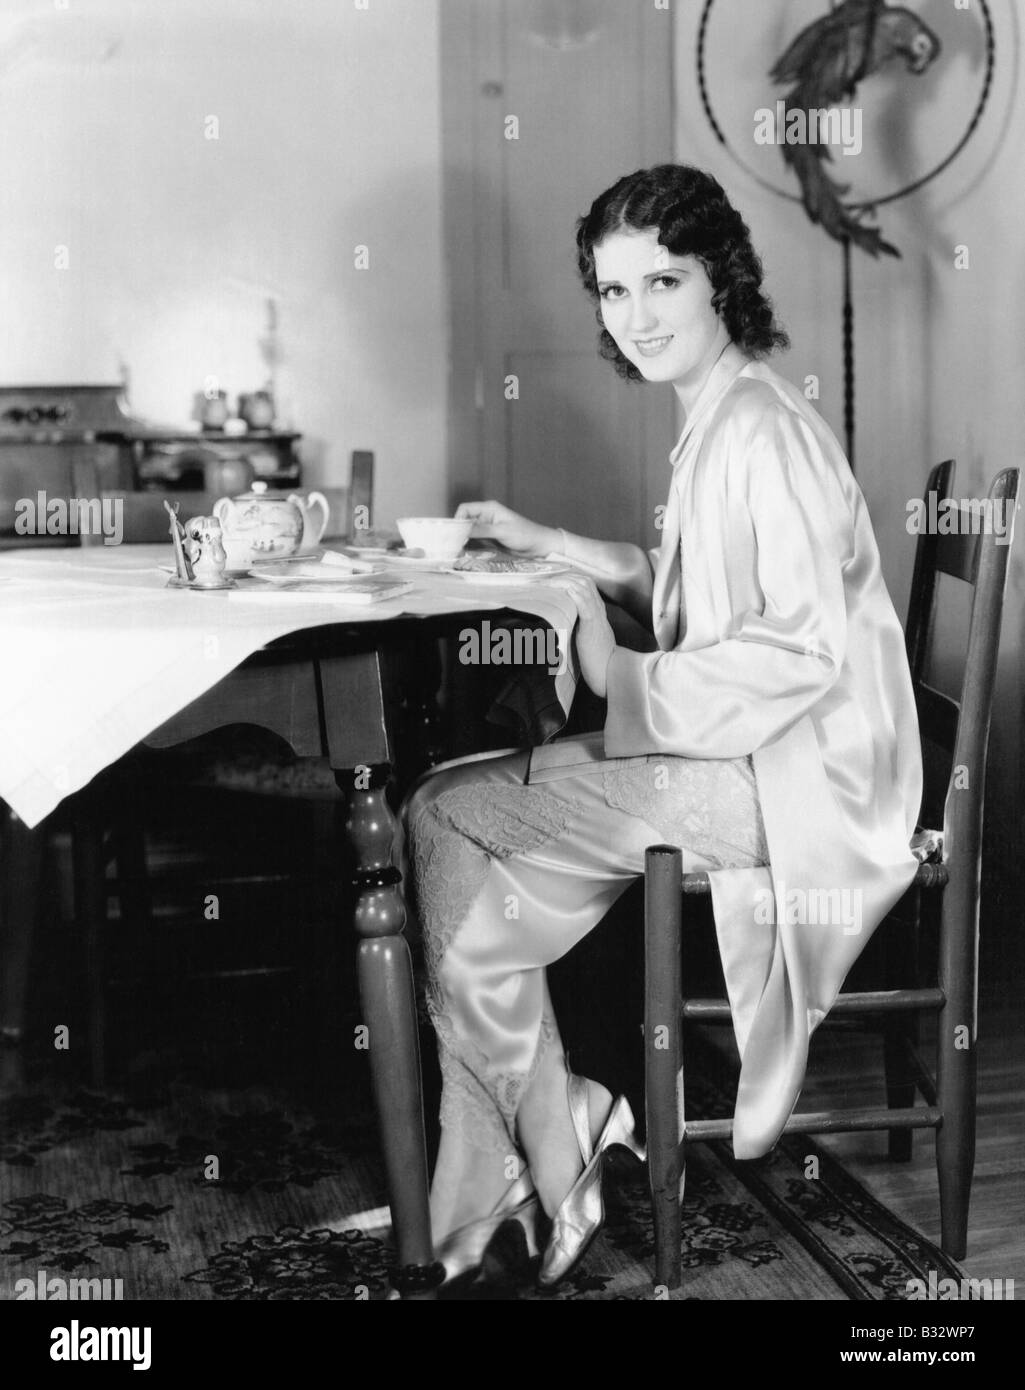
(213, 410)
(257, 409)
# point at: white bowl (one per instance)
(439, 537)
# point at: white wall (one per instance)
(940, 352)
(328, 138)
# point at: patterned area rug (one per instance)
(186, 1192)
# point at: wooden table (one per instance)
(322, 691)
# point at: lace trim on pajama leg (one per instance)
(708, 806)
(454, 839)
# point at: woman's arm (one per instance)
(622, 572)
(783, 652)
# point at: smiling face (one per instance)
(658, 308)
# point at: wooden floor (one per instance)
(996, 1223)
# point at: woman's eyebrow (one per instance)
(651, 275)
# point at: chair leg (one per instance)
(22, 855)
(955, 1151)
(901, 1031)
(133, 889)
(956, 1063)
(126, 814)
(91, 914)
(663, 1069)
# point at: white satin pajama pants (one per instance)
(509, 877)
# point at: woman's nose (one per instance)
(642, 317)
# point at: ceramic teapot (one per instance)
(265, 525)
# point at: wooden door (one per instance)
(546, 103)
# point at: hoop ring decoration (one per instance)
(866, 203)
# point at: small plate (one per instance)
(540, 571)
(259, 566)
(367, 552)
(228, 574)
(299, 558)
(415, 560)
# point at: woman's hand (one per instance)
(595, 639)
(514, 532)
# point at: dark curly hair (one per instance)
(693, 217)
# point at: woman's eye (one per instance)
(612, 292)
(669, 281)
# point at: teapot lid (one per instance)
(261, 491)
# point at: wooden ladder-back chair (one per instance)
(959, 732)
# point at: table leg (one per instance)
(389, 1012)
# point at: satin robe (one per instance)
(777, 638)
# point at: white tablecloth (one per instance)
(96, 652)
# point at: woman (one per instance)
(772, 736)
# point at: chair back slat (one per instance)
(923, 581)
(976, 554)
(957, 554)
(963, 815)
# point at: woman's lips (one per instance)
(651, 347)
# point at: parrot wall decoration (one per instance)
(824, 66)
